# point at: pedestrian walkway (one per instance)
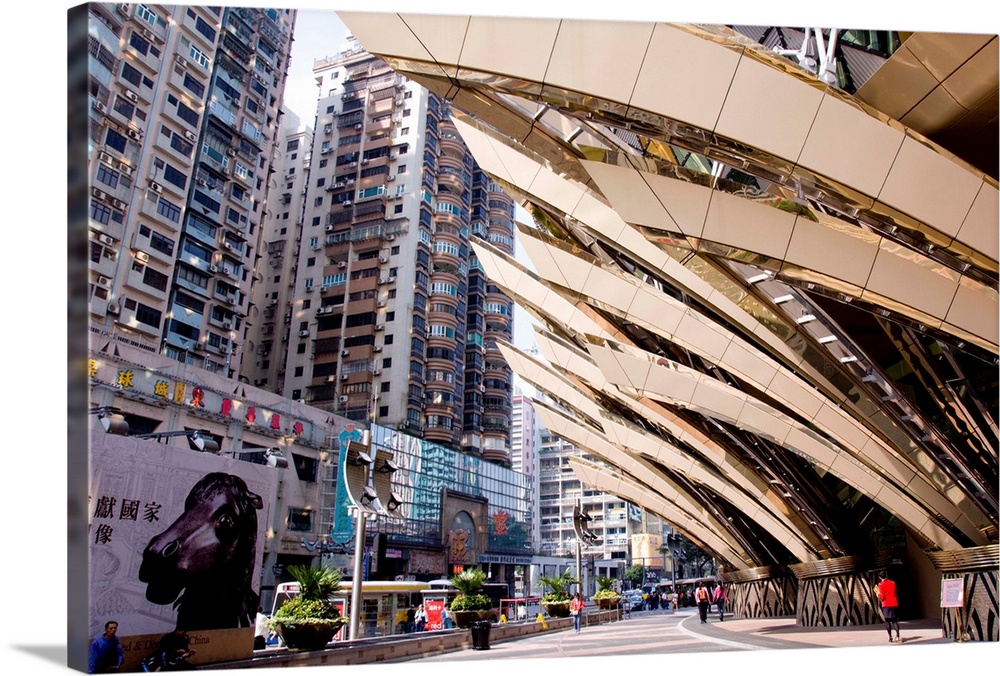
(658, 633)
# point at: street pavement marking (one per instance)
(721, 641)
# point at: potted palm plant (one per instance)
(470, 604)
(309, 621)
(605, 597)
(556, 601)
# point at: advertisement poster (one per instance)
(433, 609)
(176, 540)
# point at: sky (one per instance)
(34, 342)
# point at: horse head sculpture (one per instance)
(207, 553)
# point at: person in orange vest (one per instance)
(703, 599)
(886, 592)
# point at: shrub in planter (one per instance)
(556, 601)
(470, 605)
(309, 621)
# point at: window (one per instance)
(198, 57)
(131, 74)
(155, 279)
(147, 315)
(115, 140)
(107, 176)
(100, 212)
(204, 28)
(299, 519)
(292, 145)
(138, 43)
(181, 145)
(192, 85)
(186, 114)
(175, 176)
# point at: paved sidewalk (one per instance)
(782, 632)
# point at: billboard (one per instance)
(176, 540)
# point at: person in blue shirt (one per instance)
(106, 654)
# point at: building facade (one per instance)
(384, 316)
(184, 110)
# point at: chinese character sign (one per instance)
(159, 556)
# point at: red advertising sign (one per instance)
(433, 608)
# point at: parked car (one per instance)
(634, 600)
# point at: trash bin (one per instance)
(480, 635)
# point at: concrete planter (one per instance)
(308, 635)
(556, 608)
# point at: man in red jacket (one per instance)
(886, 592)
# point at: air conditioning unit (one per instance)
(383, 260)
(105, 239)
(229, 247)
(232, 300)
(358, 125)
(202, 182)
(213, 268)
(324, 151)
(131, 95)
(106, 158)
(345, 353)
(273, 301)
(343, 399)
(377, 348)
(322, 310)
(124, 168)
(103, 281)
(123, 9)
(113, 308)
(180, 61)
(341, 265)
(100, 107)
(350, 181)
(331, 379)
(390, 178)
(391, 280)
(346, 203)
(379, 327)
(381, 282)
(99, 194)
(376, 372)
(231, 152)
(156, 187)
(118, 204)
(148, 34)
(227, 324)
(381, 303)
(364, 160)
(134, 134)
(142, 256)
(338, 184)
(189, 135)
(390, 238)
(391, 198)
(304, 333)
(329, 228)
(343, 376)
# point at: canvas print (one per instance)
(444, 337)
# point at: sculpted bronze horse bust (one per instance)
(208, 553)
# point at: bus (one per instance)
(383, 604)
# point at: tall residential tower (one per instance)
(389, 318)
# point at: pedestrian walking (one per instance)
(665, 601)
(445, 618)
(106, 655)
(719, 598)
(885, 590)
(576, 610)
(702, 598)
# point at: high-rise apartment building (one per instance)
(524, 441)
(281, 245)
(388, 318)
(184, 109)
